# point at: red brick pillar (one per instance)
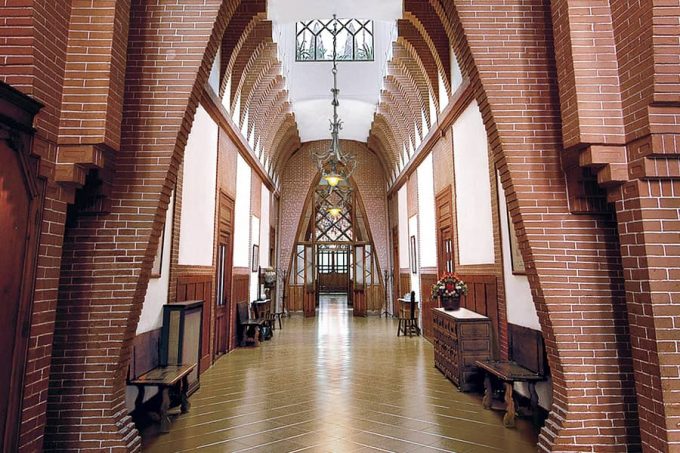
(573, 263)
(649, 227)
(107, 257)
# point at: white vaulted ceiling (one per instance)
(309, 83)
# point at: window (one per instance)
(314, 40)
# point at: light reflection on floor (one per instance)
(336, 383)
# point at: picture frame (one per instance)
(255, 258)
(413, 257)
(158, 259)
(517, 262)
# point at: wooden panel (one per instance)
(527, 348)
(404, 284)
(239, 293)
(482, 298)
(333, 281)
(426, 283)
(375, 297)
(145, 353)
(359, 303)
(199, 287)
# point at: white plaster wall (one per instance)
(265, 214)
(254, 240)
(151, 317)
(456, 74)
(473, 188)
(198, 192)
(426, 214)
(519, 302)
(415, 278)
(214, 79)
(242, 214)
(402, 197)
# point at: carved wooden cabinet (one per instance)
(461, 338)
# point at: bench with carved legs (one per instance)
(165, 378)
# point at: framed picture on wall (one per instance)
(515, 253)
(158, 259)
(256, 258)
(413, 258)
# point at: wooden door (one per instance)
(223, 299)
(359, 299)
(20, 205)
(445, 256)
(310, 293)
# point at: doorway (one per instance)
(20, 204)
(223, 305)
(332, 274)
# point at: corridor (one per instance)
(336, 384)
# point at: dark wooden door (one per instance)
(223, 299)
(20, 200)
(445, 256)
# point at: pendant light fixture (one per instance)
(335, 166)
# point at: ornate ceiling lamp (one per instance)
(335, 166)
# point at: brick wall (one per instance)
(572, 262)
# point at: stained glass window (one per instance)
(314, 40)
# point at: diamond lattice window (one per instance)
(314, 40)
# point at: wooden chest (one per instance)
(461, 338)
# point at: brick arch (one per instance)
(254, 34)
(262, 104)
(260, 61)
(395, 94)
(582, 418)
(381, 132)
(264, 73)
(412, 31)
(103, 286)
(418, 74)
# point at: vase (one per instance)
(450, 303)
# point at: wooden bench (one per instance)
(165, 378)
(249, 328)
(527, 364)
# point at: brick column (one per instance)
(107, 258)
(573, 264)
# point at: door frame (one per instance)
(17, 134)
(225, 235)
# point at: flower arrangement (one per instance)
(449, 285)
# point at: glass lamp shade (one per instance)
(334, 211)
(333, 179)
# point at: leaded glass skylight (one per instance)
(314, 40)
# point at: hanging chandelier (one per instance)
(335, 166)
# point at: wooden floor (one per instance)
(336, 384)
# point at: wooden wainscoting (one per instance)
(240, 292)
(426, 282)
(375, 297)
(199, 287)
(294, 297)
(404, 285)
(482, 297)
